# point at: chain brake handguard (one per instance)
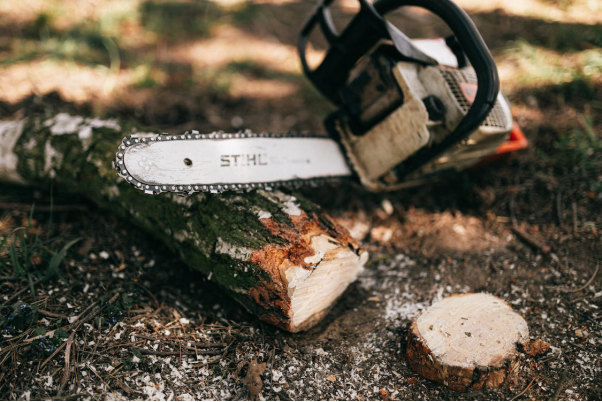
(368, 34)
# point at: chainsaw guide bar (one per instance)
(217, 162)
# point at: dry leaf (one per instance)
(253, 379)
(537, 347)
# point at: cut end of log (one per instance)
(309, 273)
(313, 292)
(467, 341)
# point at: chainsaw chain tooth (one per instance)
(119, 165)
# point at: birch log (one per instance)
(467, 341)
(278, 255)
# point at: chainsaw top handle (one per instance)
(362, 33)
(368, 27)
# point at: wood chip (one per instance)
(466, 341)
(537, 348)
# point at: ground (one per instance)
(167, 332)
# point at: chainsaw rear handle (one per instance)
(368, 27)
(362, 33)
(471, 42)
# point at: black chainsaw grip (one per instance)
(477, 52)
(344, 48)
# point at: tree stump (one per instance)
(467, 341)
(277, 254)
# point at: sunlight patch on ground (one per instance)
(585, 11)
(245, 87)
(525, 65)
(75, 82)
(66, 14)
(229, 44)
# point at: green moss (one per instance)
(190, 228)
(31, 148)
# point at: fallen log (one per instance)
(467, 341)
(278, 255)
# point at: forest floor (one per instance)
(525, 228)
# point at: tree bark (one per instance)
(277, 254)
(467, 341)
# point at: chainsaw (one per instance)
(407, 111)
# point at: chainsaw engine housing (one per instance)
(404, 111)
(391, 110)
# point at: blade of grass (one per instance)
(25, 251)
(31, 286)
(15, 260)
(3, 242)
(589, 130)
(57, 258)
(25, 241)
(30, 219)
(51, 209)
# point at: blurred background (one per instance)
(223, 64)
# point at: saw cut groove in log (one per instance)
(277, 254)
(467, 341)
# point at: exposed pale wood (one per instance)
(277, 254)
(467, 341)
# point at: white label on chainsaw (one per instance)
(225, 161)
(438, 50)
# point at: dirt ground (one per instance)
(170, 334)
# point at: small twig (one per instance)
(67, 369)
(208, 362)
(178, 353)
(87, 318)
(63, 398)
(521, 234)
(282, 395)
(26, 288)
(239, 394)
(43, 208)
(580, 288)
(588, 282)
(128, 390)
(559, 211)
(98, 375)
(577, 345)
(8, 278)
(525, 390)
(56, 351)
(90, 307)
(51, 314)
(559, 385)
(152, 296)
(216, 359)
(199, 344)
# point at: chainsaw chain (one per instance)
(194, 135)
